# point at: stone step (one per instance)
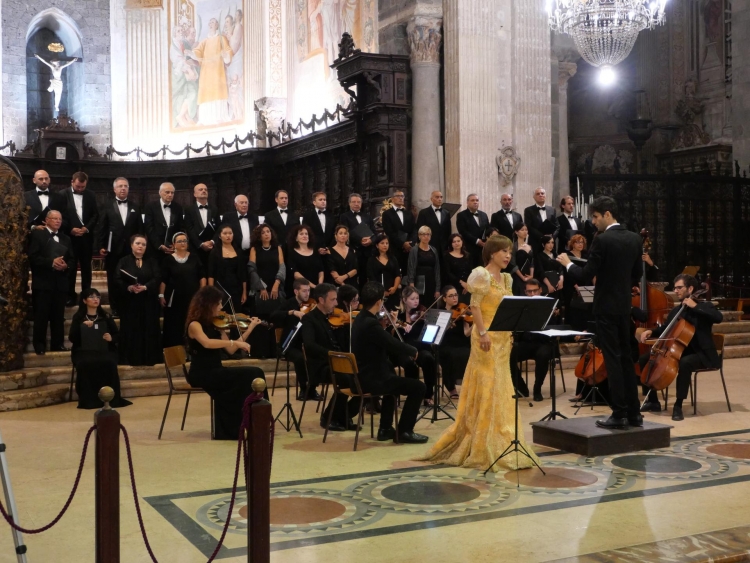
(732, 327)
(21, 399)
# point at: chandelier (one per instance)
(605, 31)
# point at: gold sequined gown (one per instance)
(484, 424)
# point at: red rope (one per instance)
(10, 519)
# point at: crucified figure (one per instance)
(56, 83)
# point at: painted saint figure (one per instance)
(213, 53)
(56, 83)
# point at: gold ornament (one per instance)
(56, 47)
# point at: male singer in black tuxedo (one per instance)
(535, 216)
(700, 353)
(281, 218)
(80, 215)
(38, 200)
(163, 219)
(120, 220)
(615, 261)
(472, 225)
(398, 225)
(506, 219)
(371, 346)
(321, 222)
(439, 222)
(242, 223)
(201, 221)
(352, 219)
(569, 225)
(51, 258)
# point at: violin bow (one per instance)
(419, 318)
(385, 312)
(234, 313)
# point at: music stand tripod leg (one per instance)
(436, 406)
(554, 413)
(291, 419)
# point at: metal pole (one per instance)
(10, 503)
(259, 479)
(107, 480)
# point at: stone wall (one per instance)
(741, 81)
(93, 110)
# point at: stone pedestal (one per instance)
(425, 37)
(566, 71)
(271, 115)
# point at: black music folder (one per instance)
(92, 337)
(363, 231)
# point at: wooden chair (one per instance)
(305, 391)
(173, 357)
(345, 364)
(719, 344)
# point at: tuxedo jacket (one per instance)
(194, 226)
(500, 222)
(441, 231)
(42, 251)
(703, 316)
(565, 226)
(157, 230)
(350, 220)
(395, 230)
(471, 231)
(318, 339)
(66, 205)
(322, 239)
(534, 223)
(111, 222)
(615, 261)
(232, 220)
(37, 212)
(273, 219)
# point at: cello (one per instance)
(652, 300)
(590, 367)
(664, 361)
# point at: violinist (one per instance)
(527, 346)
(348, 299)
(410, 320)
(456, 345)
(287, 316)
(700, 353)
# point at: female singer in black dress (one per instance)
(409, 312)
(266, 264)
(182, 276)
(456, 345)
(547, 269)
(95, 368)
(458, 264)
(342, 261)
(228, 270)
(137, 276)
(424, 265)
(384, 269)
(524, 259)
(304, 262)
(228, 387)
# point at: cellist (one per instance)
(700, 353)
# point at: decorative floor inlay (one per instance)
(403, 499)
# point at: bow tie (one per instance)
(242, 217)
(399, 208)
(282, 211)
(122, 201)
(541, 208)
(167, 205)
(438, 209)
(42, 192)
(507, 212)
(355, 213)
(203, 207)
(476, 214)
(53, 233)
(321, 212)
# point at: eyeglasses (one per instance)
(424, 234)
(679, 287)
(451, 295)
(180, 241)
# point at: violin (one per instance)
(461, 311)
(340, 318)
(307, 306)
(224, 321)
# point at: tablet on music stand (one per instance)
(429, 333)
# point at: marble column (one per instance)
(425, 37)
(566, 71)
(741, 82)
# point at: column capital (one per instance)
(566, 71)
(425, 35)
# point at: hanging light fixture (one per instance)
(605, 31)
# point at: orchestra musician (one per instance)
(372, 346)
(700, 352)
(456, 345)
(615, 262)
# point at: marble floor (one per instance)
(687, 502)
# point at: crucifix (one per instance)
(56, 83)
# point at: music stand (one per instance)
(291, 419)
(435, 325)
(521, 314)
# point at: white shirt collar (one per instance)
(612, 225)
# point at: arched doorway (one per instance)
(53, 36)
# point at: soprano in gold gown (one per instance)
(484, 424)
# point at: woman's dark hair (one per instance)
(292, 237)
(444, 292)
(135, 236)
(202, 305)
(453, 237)
(82, 310)
(339, 227)
(377, 239)
(518, 226)
(346, 294)
(255, 237)
(545, 239)
(224, 228)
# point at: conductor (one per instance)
(615, 262)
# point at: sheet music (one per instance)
(171, 297)
(109, 242)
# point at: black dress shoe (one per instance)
(538, 396)
(59, 349)
(311, 396)
(636, 420)
(385, 434)
(651, 406)
(613, 423)
(351, 426)
(411, 438)
(334, 427)
(677, 414)
(39, 351)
